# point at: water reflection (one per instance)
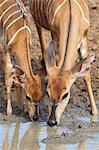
(23, 136)
(87, 119)
(82, 146)
(15, 139)
(30, 138)
(54, 132)
(5, 144)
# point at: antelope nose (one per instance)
(35, 118)
(52, 123)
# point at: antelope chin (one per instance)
(60, 109)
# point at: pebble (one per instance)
(97, 66)
(94, 47)
(93, 4)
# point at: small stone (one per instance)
(63, 134)
(94, 47)
(94, 7)
(83, 90)
(93, 4)
(44, 141)
(97, 66)
(5, 119)
(80, 126)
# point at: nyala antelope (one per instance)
(15, 30)
(68, 22)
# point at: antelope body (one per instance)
(15, 30)
(68, 22)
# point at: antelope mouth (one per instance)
(36, 116)
(52, 119)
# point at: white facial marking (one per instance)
(83, 52)
(60, 108)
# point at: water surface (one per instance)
(29, 136)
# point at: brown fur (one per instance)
(20, 48)
(57, 84)
(68, 26)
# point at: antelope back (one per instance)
(46, 12)
(13, 19)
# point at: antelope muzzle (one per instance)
(52, 118)
(36, 115)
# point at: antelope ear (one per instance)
(18, 75)
(82, 67)
(49, 56)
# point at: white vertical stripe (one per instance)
(85, 4)
(7, 10)
(51, 5)
(10, 16)
(13, 22)
(56, 11)
(82, 12)
(22, 8)
(22, 28)
(3, 3)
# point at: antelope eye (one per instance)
(27, 97)
(66, 94)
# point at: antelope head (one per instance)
(32, 88)
(60, 82)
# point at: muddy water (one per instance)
(32, 136)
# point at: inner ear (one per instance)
(49, 56)
(51, 53)
(18, 75)
(82, 67)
